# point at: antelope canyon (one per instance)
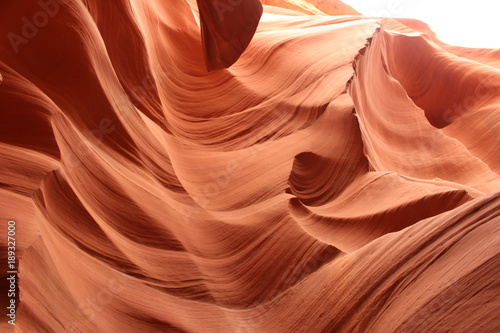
(244, 166)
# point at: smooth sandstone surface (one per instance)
(232, 166)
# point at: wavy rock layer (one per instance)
(341, 176)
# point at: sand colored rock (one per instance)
(170, 171)
(314, 7)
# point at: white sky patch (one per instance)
(457, 22)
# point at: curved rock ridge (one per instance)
(223, 166)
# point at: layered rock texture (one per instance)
(228, 166)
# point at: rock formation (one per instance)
(223, 166)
